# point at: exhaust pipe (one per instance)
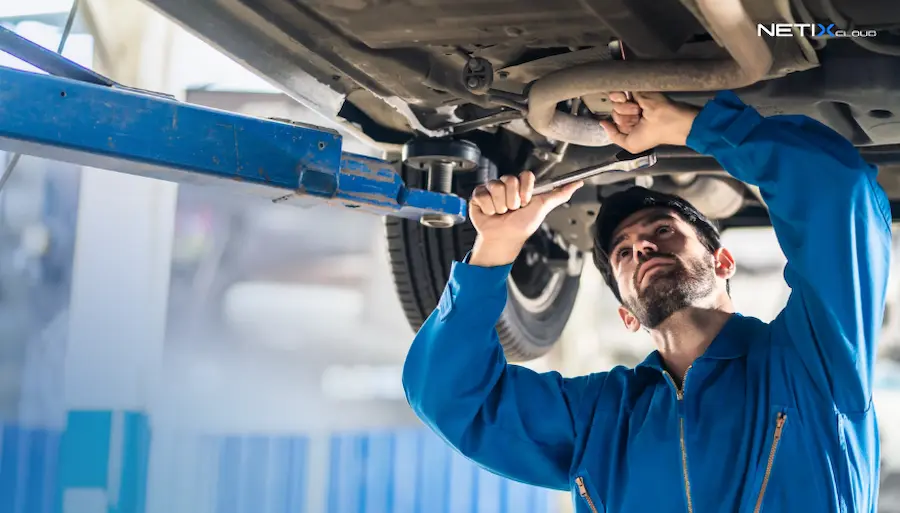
(728, 23)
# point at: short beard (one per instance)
(672, 290)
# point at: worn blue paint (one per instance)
(377, 182)
(116, 129)
(414, 471)
(148, 135)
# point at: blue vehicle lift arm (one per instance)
(80, 117)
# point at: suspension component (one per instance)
(478, 75)
(440, 158)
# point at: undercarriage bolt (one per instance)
(440, 177)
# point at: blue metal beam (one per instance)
(148, 135)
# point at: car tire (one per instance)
(539, 302)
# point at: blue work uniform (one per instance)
(773, 417)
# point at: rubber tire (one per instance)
(421, 258)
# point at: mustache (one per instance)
(643, 261)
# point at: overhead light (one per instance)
(363, 382)
(33, 8)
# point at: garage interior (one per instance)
(165, 348)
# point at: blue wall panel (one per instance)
(402, 471)
(260, 474)
(28, 464)
(85, 449)
(414, 471)
(378, 493)
(135, 462)
(403, 479)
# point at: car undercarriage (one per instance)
(457, 93)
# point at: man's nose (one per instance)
(644, 250)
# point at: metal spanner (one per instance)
(623, 162)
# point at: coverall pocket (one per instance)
(771, 452)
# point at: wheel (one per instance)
(541, 295)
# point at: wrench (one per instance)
(623, 162)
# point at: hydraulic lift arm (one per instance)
(78, 116)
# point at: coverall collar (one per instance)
(731, 342)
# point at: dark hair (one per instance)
(616, 209)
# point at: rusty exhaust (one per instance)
(728, 23)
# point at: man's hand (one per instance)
(648, 121)
(505, 215)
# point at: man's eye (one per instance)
(664, 229)
(624, 252)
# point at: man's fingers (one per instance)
(649, 99)
(498, 195)
(481, 198)
(627, 109)
(625, 123)
(617, 97)
(511, 183)
(559, 196)
(526, 186)
(612, 131)
(508, 193)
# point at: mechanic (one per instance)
(730, 413)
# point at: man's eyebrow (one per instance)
(654, 218)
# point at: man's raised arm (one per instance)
(511, 420)
(833, 223)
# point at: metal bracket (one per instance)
(84, 118)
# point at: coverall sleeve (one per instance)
(511, 420)
(833, 223)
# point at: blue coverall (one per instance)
(773, 417)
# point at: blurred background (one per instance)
(164, 349)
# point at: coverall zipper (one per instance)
(779, 425)
(582, 490)
(679, 393)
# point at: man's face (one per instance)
(660, 265)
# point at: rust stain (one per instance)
(110, 143)
(262, 172)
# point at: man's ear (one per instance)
(630, 321)
(725, 265)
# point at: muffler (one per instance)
(727, 22)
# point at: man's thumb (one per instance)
(648, 99)
(559, 196)
(612, 131)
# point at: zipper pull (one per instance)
(779, 422)
(581, 488)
